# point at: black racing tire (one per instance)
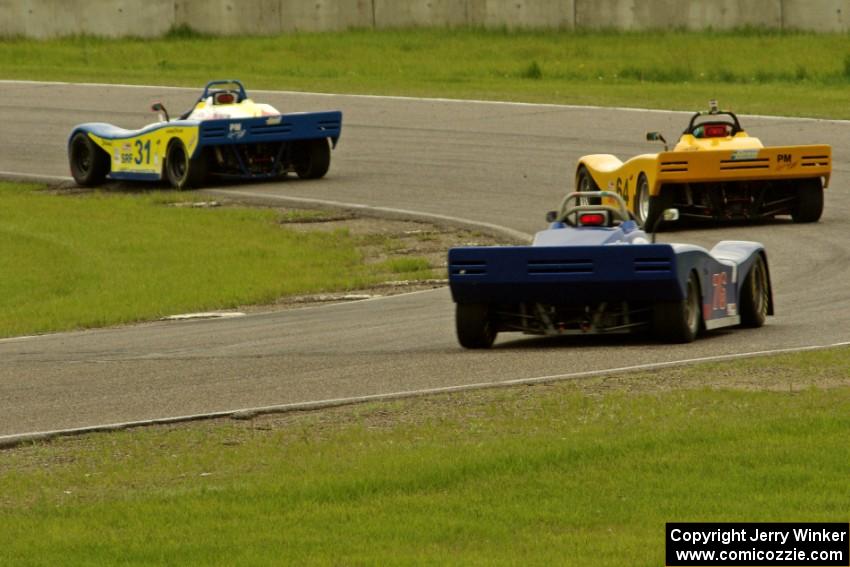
(312, 158)
(648, 209)
(182, 171)
(474, 325)
(809, 205)
(679, 321)
(89, 163)
(584, 183)
(755, 295)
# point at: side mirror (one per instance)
(160, 108)
(551, 216)
(656, 137)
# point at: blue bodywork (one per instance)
(292, 126)
(598, 279)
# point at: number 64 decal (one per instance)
(623, 189)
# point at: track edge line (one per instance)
(15, 440)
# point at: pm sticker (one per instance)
(236, 132)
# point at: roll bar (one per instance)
(714, 111)
(581, 197)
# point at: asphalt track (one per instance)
(504, 164)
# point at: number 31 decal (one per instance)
(140, 148)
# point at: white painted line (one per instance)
(509, 233)
(425, 99)
(382, 211)
(34, 177)
(681, 362)
(295, 307)
(247, 413)
(20, 338)
(204, 315)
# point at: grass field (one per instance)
(581, 473)
(105, 258)
(748, 71)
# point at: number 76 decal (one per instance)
(718, 283)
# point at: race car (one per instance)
(716, 171)
(225, 134)
(594, 271)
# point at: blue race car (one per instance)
(594, 271)
(225, 134)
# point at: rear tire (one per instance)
(648, 208)
(809, 205)
(89, 163)
(474, 325)
(312, 158)
(182, 171)
(679, 321)
(755, 295)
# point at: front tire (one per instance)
(755, 295)
(809, 205)
(89, 163)
(182, 171)
(474, 325)
(585, 183)
(312, 158)
(679, 321)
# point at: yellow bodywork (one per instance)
(144, 152)
(730, 158)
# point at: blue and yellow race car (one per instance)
(594, 271)
(225, 134)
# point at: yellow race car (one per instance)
(716, 171)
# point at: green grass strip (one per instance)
(108, 258)
(784, 73)
(585, 473)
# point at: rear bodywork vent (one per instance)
(560, 266)
(739, 164)
(468, 268)
(815, 161)
(674, 166)
(653, 265)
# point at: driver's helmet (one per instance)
(711, 130)
(225, 97)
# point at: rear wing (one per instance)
(777, 162)
(564, 274)
(279, 128)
